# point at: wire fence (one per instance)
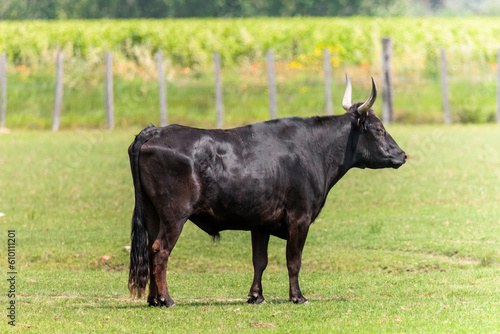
(139, 93)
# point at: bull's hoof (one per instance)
(299, 300)
(161, 302)
(256, 300)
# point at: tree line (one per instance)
(121, 9)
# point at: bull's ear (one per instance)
(346, 102)
(363, 109)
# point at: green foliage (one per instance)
(188, 45)
(190, 42)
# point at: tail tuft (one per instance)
(215, 237)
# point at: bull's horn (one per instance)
(363, 109)
(346, 102)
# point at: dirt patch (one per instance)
(263, 324)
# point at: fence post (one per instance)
(219, 105)
(498, 86)
(3, 84)
(59, 92)
(328, 81)
(110, 121)
(387, 87)
(162, 90)
(444, 87)
(271, 80)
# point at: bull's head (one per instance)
(373, 145)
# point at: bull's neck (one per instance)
(338, 147)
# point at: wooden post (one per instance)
(445, 88)
(219, 105)
(387, 87)
(271, 80)
(110, 121)
(59, 92)
(162, 90)
(498, 86)
(328, 81)
(3, 84)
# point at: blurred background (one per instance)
(187, 33)
(413, 250)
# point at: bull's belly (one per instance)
(213, 224)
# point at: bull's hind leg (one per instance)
(168, 181)
(160, 250)
(260, 242)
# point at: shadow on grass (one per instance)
(196, 303)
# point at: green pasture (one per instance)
(191, 98)
(408, 250)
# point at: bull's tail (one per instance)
(138, 271)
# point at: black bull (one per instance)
(271, 178)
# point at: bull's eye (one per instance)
(380, 131)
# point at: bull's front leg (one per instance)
(295, 244)
(260, 241)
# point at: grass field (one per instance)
(408, 250)
(191, 97)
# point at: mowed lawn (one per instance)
(410, 250)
